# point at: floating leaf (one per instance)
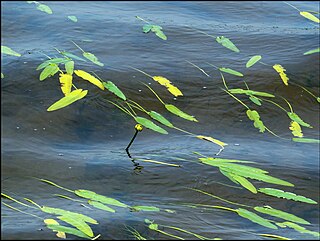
(287, 195)
(175, 110)
(52, 61)
(310, 16)
(295, 129)
(250, 92)
(218, 161)
(49, 71)
(306, 140)
(298, 228)
(44, 8)
(146, 28)
(9, 51)
(150, 125)
(155, 115)
(312, 51)
(73, 18)
(231, 71)
(280, 214)
(255, 100)
(253, 60)
(167, 83)
(244, 182)
(92, 58)
(210, 139)
(227, 43)
(72, 56)
(145, 208)
(51, 221)
(293, 116)
(254, 115)
(282, 73)
(228, 175)
(255, 218)
(78, 223)
(161, 80)
(69, 67)
(90, 78)
(101, 206)
(153, 226)
(274, 236)
(66, 83)
(69, 99)
(2, 75)
(68, 230)
(114, 89)
(161, 34)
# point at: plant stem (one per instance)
(141, 71)
(78, 46)
(198, 68)
(237, 99)
(154, 93)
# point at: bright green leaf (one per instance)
(306, 140)
(101, 206)
(69, 67)
(227, 43)
(244, 182)
(312, 51)
(78, 223)
(69, 99)
(255, 100)
(9, 51)
(255, 218)
(73, 18)
(2, 75)
(250, 92)
(114, 89)
(44, 8)
(49, 71)
(146, 28)
(295, 117)
(231, 71)
(68, 230)
(145, 208)
(253, 60)
(175, 110)
(72, 56)
(92, 58)
(298, 228)
(150, 125)
(155, 115)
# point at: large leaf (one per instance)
(306, 140)
(9, 51)
(250, 92)
(295, 129)
(287, 195)
(69, 99)
(155, 115)
(227, 43)
(229, 175)
(101, 206)
(253, 60)
(312, 51)
(68, 230)
(310, 16)
(215, 141)
(44, 8)
(231, 71)
(280, 214)
(293, 116)
(78, 223)
(92, 58)
(255, 218)
(114, 89)
(90, 78)
(66, 83)
(150, 125)
(282, 73)
(49, 71)
(175, 110)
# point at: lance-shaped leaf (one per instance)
(150, 125)
(92, 58)
(69, 67)
(73, 18)
(227, 43)
(52, 61)
(255, 218)
(254, 115)
(310, 16)
(78, 223)
(145, 208)
(298, 228)
(69, 99)
(255, 100)
(2, 75)
(280, 214)
(312, 51)
(64, 229)
(161, 80)
(210, 139)
(295, 129)
(9, 51)
(253, 60)
(114, 89)
(66, 83)
(306, 140)
(90, 78)
(293, 116)
(213, 161)
(155, 115)
(44, 8)
(229, 175)
(244, 182)
(282, 73)
(51, 221)
(101, 206)
(72, 56)
(231, 71)
(175, 110)
(250, 92)
(273, 236)
(49, 71)
(287, 195)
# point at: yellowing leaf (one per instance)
(310, 16)
(296, 129)
(51, 221)
(208, 138)
(174, 90)
(90, 78)
(167, 83)
(66, 83)
(281, 72)
(161, 80)
(69, 99)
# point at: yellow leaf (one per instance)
(296, 129)
(66, 83)
(208, 138)
(69, 99)
(174, 90)
(310, 17)
(51, 221)
(161, 80)
(281, 72)
(167, 83)
(90, 78)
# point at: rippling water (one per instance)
(82, 146)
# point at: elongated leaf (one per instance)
(250, 92)
(229, 175)
(227, 43)
(101, 206)
(44, 8)
(293, 116)
(92, 58)
(280, 214)
(155, 115)
(114, 89)
(298, 228)
(282, 73)
(310, 16)
(287, 195)
(72, 56)
(161, 34)
(277, 237)
(78, 223)
(161, 80)
(255, 100)
(52, 61)
(255, 218)
(49, 71)
(90, 78)
(175, 110)
(73, 18)
(244, 182)
(253, 60)
(69, 99)
(99, 198)
(68, 230)
(150, 125)
(295, 129)
(167, 83)
(218, 161)
(306, 140)
(210, 139)
(9, 51)
(66, 83)
(54, 222)
(69, 67)
(312, 51)
(231, 71)
(145, 208)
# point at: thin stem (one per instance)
(197, 153)
(138, 106)
(142, 19)
(236, 99)
(168, 234)
(154, 93)
(275, 104)
(74, 86)
(185, 231)
(246, 84)
(205, 33)
(53, 184)
(198, 68)
(125, 110)
(287, 103)
(292, 6)
(271, 132)
(131, 108)
(184, 131)
(18, 210)
(78, 46)
(34, 203)
(307, 91)
(223, 80)
(12, 199)
(264, 63)
(212, 65)
(140, 71)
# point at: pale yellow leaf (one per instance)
(296, 129)
(69, 99)
(208, 138)
(282, 73)
(167, 83)
(90, 78)
(66, 83)
(310, 16)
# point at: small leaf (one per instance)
(295, 129)
(310, 16)
(153, 226)
(150, 125)
(244, 182)
(90, 78)
(54, 222)
(146, 28)
(2, 75)
(114, 89)
(167, 83)
(282, 73)
(68, 230)
(161, 35)
(174, 90)
(66, 83)
(78, 223)
(145, 208)
(312, 51)
(253, 60)
(306, 140)
(227, 43)
(161, 80)
(155, 115)
(92, 58)
(175, 110)
(254, 115)
(210, 139)
(9, 51)
(73, 18)
(72, 56)
(255, 218)
(250, 92)
(298, 228)
(69, 67)
(69, 99)
(49, 71)
(287, 195)
(293, 116)
(52, 61)
(255, 100)
(231, 71)
(44, 8)
(101, 206)
(277, 237)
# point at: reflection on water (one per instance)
(82, 146)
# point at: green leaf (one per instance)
(244, 182)
(229, 175)
(145, 208)
(72, 56)
(92, 58)
(306, 140)
(78, 223)
(255, 218)
(101, 206)
(255, 100)
(295, 117)
(49, 71)
(298, 228)
(155, 115)
(68, 230)
(253, 60)
(146, 28)
(73, 18)
(9, 51)
(2, 75)
(227, 43)
(218, 161)
(44, 8)
(99, 198)
(250, 92)
(310, 16)
(254, 115)
(161, 35)
(52, 61)
(114, 89)
(150, 125)
(287, 195)
(175, 110)
(312, 51)
(69, 67)
(153, 226)
(280, 214)
(231, 71)
(69, 99)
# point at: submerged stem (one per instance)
(154, 93)
(287, 103)
(292, 6)
(78, 46)
(224, 81)
(275, 104)
(125, 110)
(236, 99)
(141, 71)
(198, 68)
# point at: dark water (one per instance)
(82, 146)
